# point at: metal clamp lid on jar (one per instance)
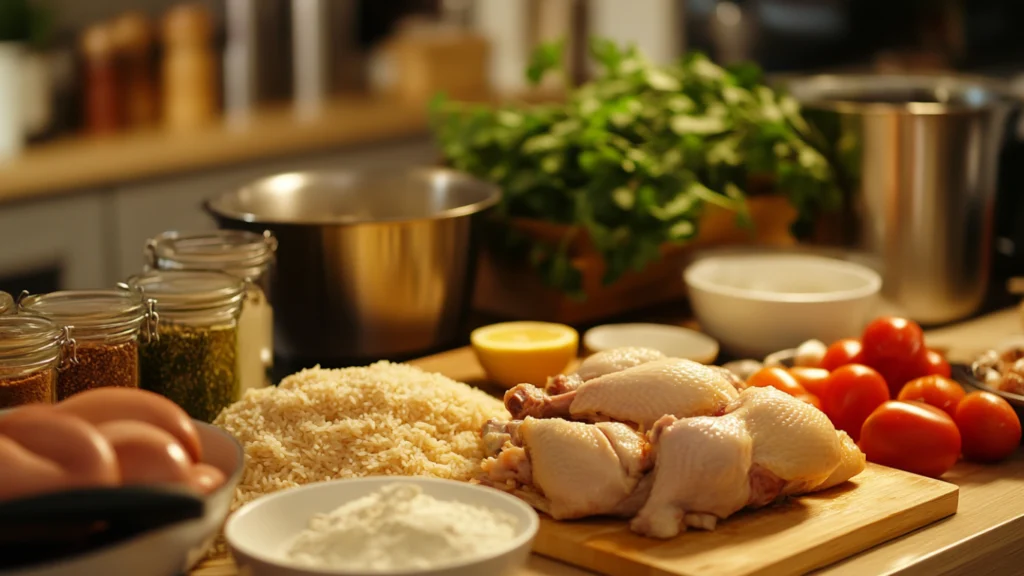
(242, 253)
(29, 342)
(182, 292)
(92, 313)
(6, 303)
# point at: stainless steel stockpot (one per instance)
(919, 158)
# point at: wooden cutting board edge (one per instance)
(607, 561)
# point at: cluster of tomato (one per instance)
(894, 396)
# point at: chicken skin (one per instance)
(638, 395)
(569, 469)
(600, 364)
(767, 445)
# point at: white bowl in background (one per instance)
(672, 341)
(173, 549)
(756, 304)
(259, 531)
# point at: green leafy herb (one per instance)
(633, 157)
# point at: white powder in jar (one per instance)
(400, 528)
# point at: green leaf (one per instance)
(682, 124)
(606, 53)
(624, 197)
(545, 58)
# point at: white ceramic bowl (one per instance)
(673, 341)
(259, 531)
(171, 550)
(756, 304)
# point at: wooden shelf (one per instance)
(79, 162)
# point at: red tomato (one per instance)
(841, 353)
(897, 372)
(812, 379)
(911, 436)
(776, 377)
(938, 391)
(851, 395)
(810, 399)
(989, 426)
(890, 338)
(937, 365)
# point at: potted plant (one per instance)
(609, 191)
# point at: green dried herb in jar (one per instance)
(193, 357)
(242, 254)
(105, 326)
(31, 350)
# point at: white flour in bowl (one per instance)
(399, 528)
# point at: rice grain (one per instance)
(384, 419)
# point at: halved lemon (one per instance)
(517, 352)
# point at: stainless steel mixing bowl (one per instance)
(370, 264)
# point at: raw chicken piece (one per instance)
(571, 469)
(767, 445)
(616, 360)
(852, 463)
(639, 395)
(601, 364)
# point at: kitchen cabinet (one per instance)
(57, 243)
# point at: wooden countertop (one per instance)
(82, 162)
(983, 537)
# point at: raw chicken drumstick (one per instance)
(569, 469)
(766, 445)
(640, 395)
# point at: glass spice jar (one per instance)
(105, 325)
(192, 357)
(32, 349)
(242, 254)
(6, 304)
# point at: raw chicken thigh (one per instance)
(601, 364)
(616, 360)
(712, 447)
(767, 445)
(639, 395)
(569, 469)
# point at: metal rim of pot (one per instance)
(490, 196)
(952, 94)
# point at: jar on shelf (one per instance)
(6, 304)
(32, 349)
(192, 357)
(245, 255)
(106, 327)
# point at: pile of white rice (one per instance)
(384, 419)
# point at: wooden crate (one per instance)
(514, 290)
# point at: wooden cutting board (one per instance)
(791, 538)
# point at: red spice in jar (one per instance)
(27, 389)
(98, 365)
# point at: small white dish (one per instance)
(258, 532)
(672, 341)
(756, 304)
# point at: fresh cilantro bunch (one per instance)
(633, 157)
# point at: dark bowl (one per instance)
(963, 374)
